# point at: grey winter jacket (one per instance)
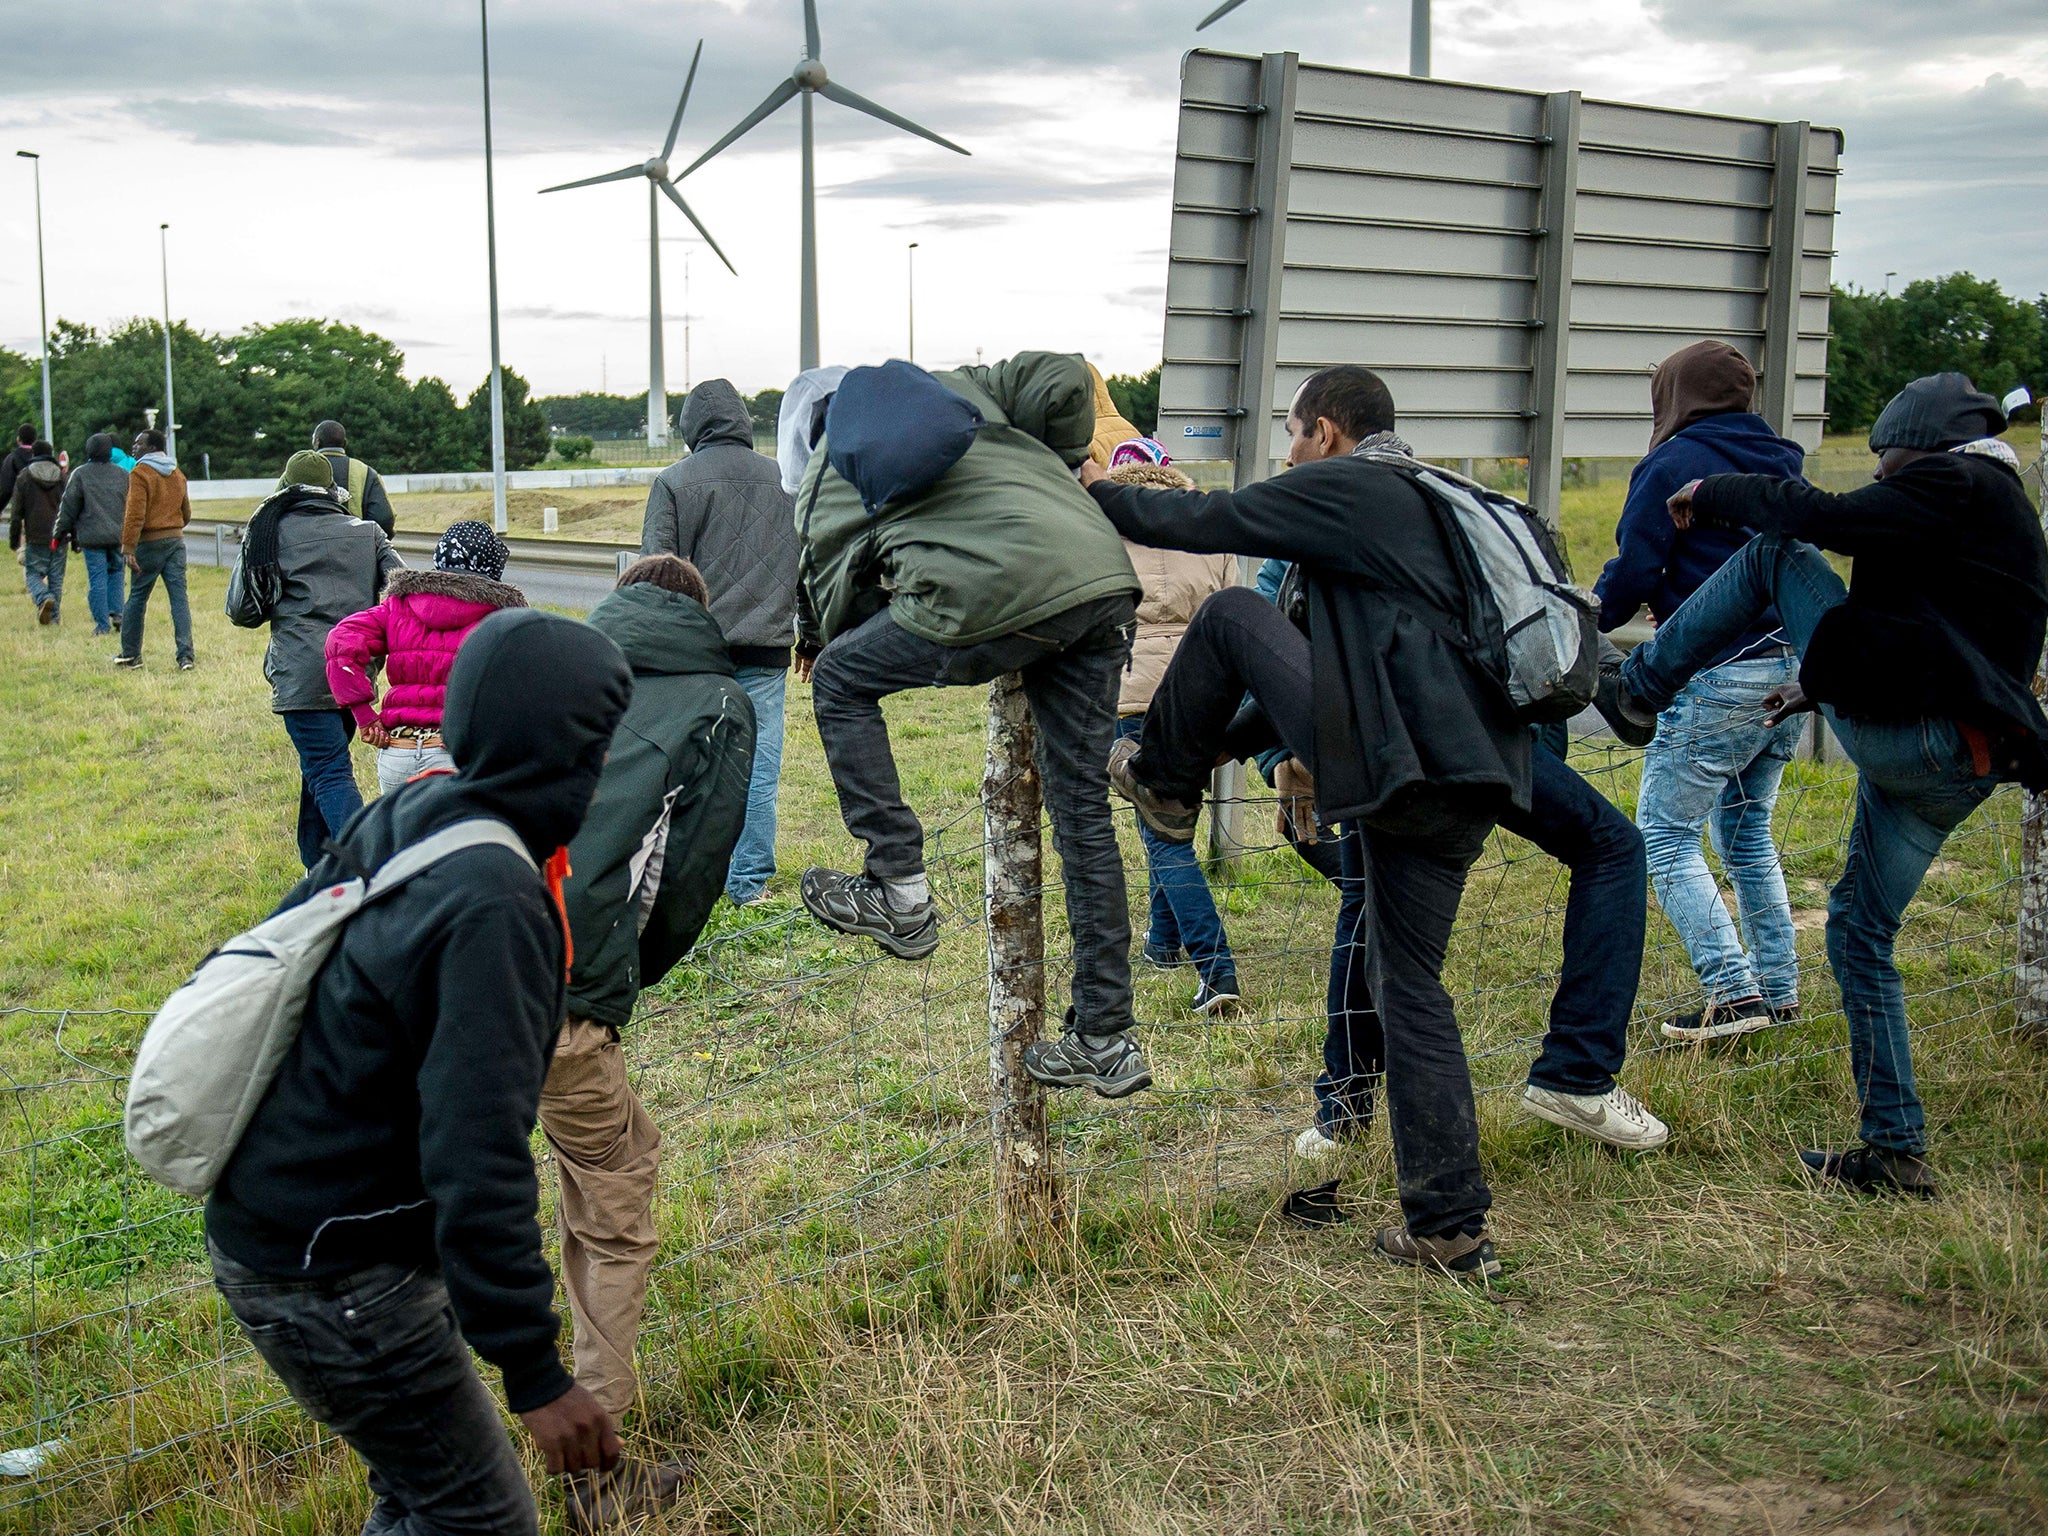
(331, 565)
(724, 510)
(95, 502)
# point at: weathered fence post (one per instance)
(1013, 880)
(2033, 924)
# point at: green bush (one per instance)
(573, 450)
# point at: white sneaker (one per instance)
(1313, 1146)
(1616, 1117)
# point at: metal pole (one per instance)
(657, 385)
(1012, 886)
(42, 292)
(491, 250)
(163, 238)
(1418, 39)
(910, 255)
(807, 320)
(1550, 320)
(686, 321)
(2032, 937)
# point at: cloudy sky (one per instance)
(326, 158)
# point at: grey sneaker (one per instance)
(1467, 1258)
(1616, 1117)
(1720, 1021)
(1110, 1064)
(1171, 819)
(858, 905)
(1633, 722)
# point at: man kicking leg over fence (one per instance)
(1923, 665)
(946, 543)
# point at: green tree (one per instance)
(1137, 398)
(591, 412)
(21, 391)
(303, 372)
(765, 408)
(573, 450)
(1960, 323)
(440, 436)
(527, 439)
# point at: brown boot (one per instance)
(624, 1497)
(1467, 1258)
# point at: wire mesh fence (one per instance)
(826, 1118)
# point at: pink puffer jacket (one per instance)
(417, 629)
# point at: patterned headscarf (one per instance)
(1139, 450)
(471, 546)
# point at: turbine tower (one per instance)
(659, 184)
(809, 79)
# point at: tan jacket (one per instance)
(158, 507)
(1176, 584)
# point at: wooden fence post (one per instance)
(1013, 879)
(2033, 922)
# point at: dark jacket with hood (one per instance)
(1661, 566)
(95, 498)
(1406, 722)
(651, 859)
(724, 510)
(397, 1130)
(32, 508)
(1948, 598)
(331, 565)
(11, 465)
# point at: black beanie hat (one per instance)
(1936, 413)
(99, 448)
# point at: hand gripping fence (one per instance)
(840, 1124)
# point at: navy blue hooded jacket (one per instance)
(1661, 566)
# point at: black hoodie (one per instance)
(398, 1129)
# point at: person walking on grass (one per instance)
(646, 870)
(1923, 665)
(16, 459)
(306, 565)
(95, 505)
(364, 486)
(946, 543)
(153, 547)
(1714, 763)
(379, 1217)
(414, 634)
(32, 509)
(723, 509)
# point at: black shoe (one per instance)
(128, 661)
(1872, 1171)
(1218, 997)
(187, 664)
(115, 621)
(1316, 1206)
(1720, 1021)
(857, 904)
(1165, 959)
(1110, 1064)
(1633, 722)
(1171, 819)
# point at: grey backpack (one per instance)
(214, 1047)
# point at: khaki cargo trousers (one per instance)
(608, 1154)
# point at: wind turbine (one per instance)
(809, 79)
(659, 184)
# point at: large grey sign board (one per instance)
(1511, 262)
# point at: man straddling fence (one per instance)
(646, 870)
(379, 1217)
(946, 543)
(1408, 739)
(1923, 665)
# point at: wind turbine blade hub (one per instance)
(656, 169)
(810, 74)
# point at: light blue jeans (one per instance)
(106, 579)
(44, 569)
(1716, 765)
(395, 765)
(753, 857)
(1917, 784)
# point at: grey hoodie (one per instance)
(724, 510)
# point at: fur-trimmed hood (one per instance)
(463, 586)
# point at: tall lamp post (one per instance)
(42, 295)
(491, 253)
(163, 236)
(910, 255)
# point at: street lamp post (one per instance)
(163, 236)
(42, 293)
(910, 255)
(491, 255)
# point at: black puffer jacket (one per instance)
(95, 498)
(724, 510)
(651, 859)
(398, 1128)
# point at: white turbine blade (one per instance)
(832, 90)
(811, 43)
(784, 92)
(1219, 13)
(676, 126)
(590, 181)
(677, 198)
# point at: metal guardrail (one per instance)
(580, 557)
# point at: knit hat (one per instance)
(1139, 450)
(309, 468)
(1936, 413)
(471, 546)
(99, 448)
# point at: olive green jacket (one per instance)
(1004, 539)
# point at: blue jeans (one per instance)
(1716, 765)
(159, 559)
(1917, 784)
(44, 569)
(1183, 913)
(376, 1356)
(105, 578)
(753, 856)
(328, 796)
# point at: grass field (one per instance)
(1690, 1342)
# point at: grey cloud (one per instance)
(1016, 186)
(1822, 30)
(550, 312)
(227, 120)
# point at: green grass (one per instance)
(1691, 1341)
